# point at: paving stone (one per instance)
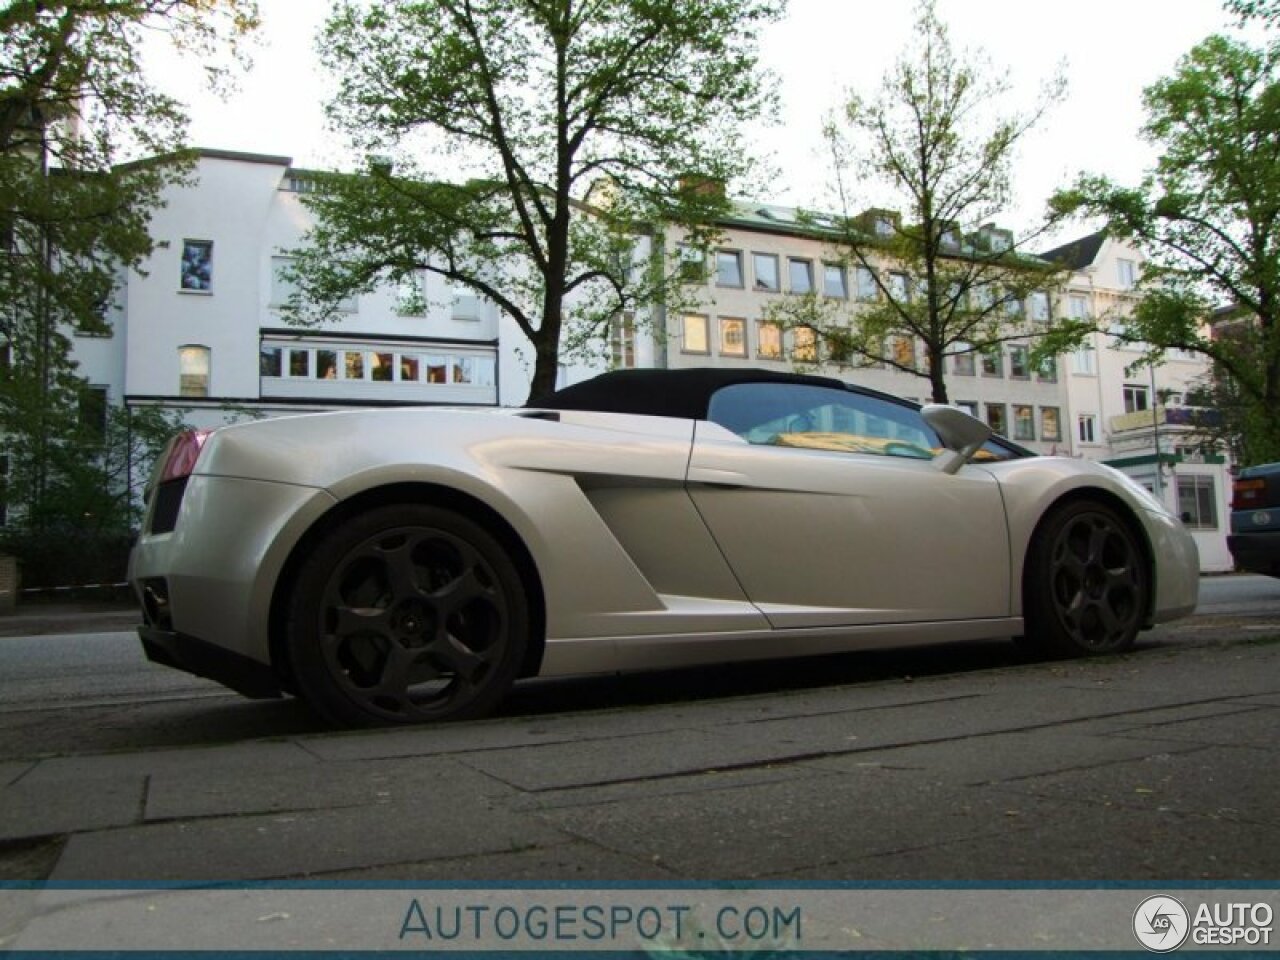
(301, 844)
(1103, 844)
(789, 826)
(238, 760)
(403, 782)
(1221, 783)
(1007, 756)
(44, 808)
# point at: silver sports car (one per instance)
(402, 565)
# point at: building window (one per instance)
(1050, 424)
(93, 412)
(904, 352)
(728, 268)
(733, 337)
(382, 367)
(352, 365)
(805, 347)
(410, 368)
(833, 283)
(1078, 306)
(996, 418)
(1128, 274)
(965, 365)
(1012, 306)
(1198, 502)
(866, 281)
(765, 268)
(769, 341)
(269, 361)
(884, 227)
(969, 407)
(696, 338)
(196, 275)
(1019, 366)
(411, 294)
(326, 364)
(1048, 370)
(193, 371)
(993, 362)
(1084, 361)
(1040, 306)
(1024, 422)
(1086, 428)
(1136, 398)
(299, 363)
(899, 287)
(692, 264)
(800, 275)
(622, 342)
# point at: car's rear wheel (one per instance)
(1086, 583)
(405, 614)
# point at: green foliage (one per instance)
(575, 124)
(74, 102)
(929, 137)
(1208, 217)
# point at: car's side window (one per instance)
(822, 418)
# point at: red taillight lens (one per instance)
(1246, 493)
(184, 451)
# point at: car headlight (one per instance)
(1141, 493)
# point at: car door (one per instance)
(829, 510)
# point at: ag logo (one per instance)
(1161, 924)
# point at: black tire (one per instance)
(1086, 583)
(407, 614)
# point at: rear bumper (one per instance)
(173, 649)
(1256, 552)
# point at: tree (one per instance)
(953, 280)
(570, 125)
(74, 103)
(1208, 217)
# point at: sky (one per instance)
(1109, 50)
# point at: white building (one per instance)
(1133, 416)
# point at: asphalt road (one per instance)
(94, 691)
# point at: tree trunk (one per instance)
(937, 378)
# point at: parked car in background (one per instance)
(1255, 519)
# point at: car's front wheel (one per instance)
(1086, 583)
(404, 614)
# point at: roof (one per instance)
(664, 393)
(1079, 253)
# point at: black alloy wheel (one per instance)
(1087, 582)
(407, 614)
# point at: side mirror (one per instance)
(961, 434)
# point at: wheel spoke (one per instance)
(398, 563)
(350, 621)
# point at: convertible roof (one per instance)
(664, 393)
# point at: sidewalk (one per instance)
(37, 619)
(1156, 765)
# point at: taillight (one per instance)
(1247, 493)
(184, 451)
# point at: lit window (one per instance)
(833, 284)
(193, 371)
(996, 418)
(806, 345)
(381, 367)
(196, 272)
(1050, 424)
(696, 339)
(1086, 428)
(765, 266)
(733, 337)
(904, 352)
(728, 268)
(326, 364)
(353, 365)
(800, 275)
(437, 369)
(769, 338)
(410, 367)
(1024, 422)
(1197, 502)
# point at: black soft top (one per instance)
(664, 393)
